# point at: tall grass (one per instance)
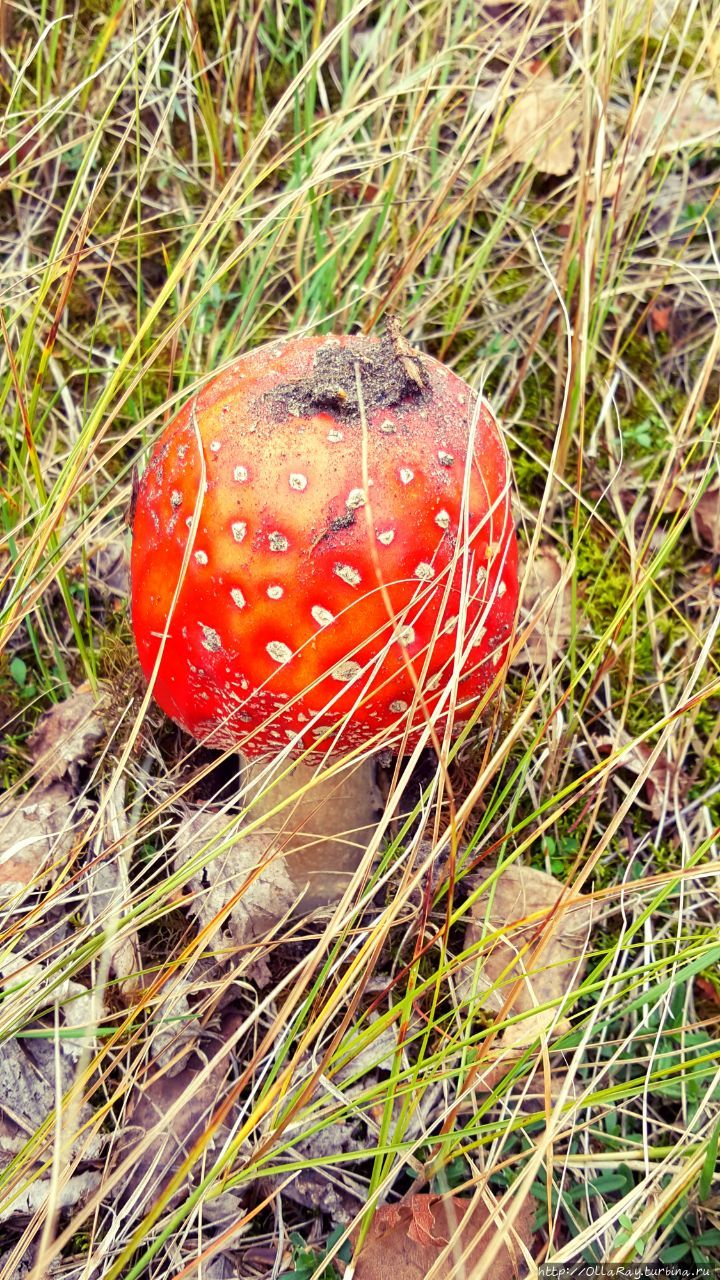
(180, 183)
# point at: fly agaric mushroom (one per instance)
(322, 544)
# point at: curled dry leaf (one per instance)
(36, 831)
(406, 1239)
(540, 127)
(705, 517)
(241, 883)
(543, 933)
(547, 606)
(66, 737)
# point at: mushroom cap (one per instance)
(332, 555)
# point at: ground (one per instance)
(532, 192)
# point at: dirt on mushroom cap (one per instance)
(332, 546)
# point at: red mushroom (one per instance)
(353, 544)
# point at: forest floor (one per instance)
(533, 191)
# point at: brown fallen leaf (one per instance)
(547, 605)
(66, 737)
(165, 1117)
(657, 778)
(543, 933)
(221, 1267)
(705, 517)
(321, 1184)
(667, 120)
(175, 1031)
(660, 315)
(333, 1189)
(36, 831)
(241, 891)
(81, 1007)
(540, 126)
(108, 567)
(35, 1073)
(676, 118)
(406, 1239)
(107, 898)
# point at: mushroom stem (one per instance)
(323, 828)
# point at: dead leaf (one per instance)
(66, 736)
(678, 118)
(660, 316)
(707, 990)
(705, 518)
(544, 932)
(220, 1267)
(540, 126)
(82, 1008)
(108, 895)
(406, 1239)
(175, 1030)
(667, 120)
(108, 567)
(35, 1073)
(160, 1135)
(252, 891)
(333, 1189)
(70, 1193)
(658, 779)
(547, 604)
(36, 831)
(321, 1184)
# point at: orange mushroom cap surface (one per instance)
(323, 546)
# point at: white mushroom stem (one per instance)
(323, 828)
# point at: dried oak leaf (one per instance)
(250, 890)
(540, 126)
(705, 517)
(542, 932)
(406, 1239)
(36, 831)
(66, 737)
(547, 606)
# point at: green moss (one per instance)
(603, 577)
(511, 285)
